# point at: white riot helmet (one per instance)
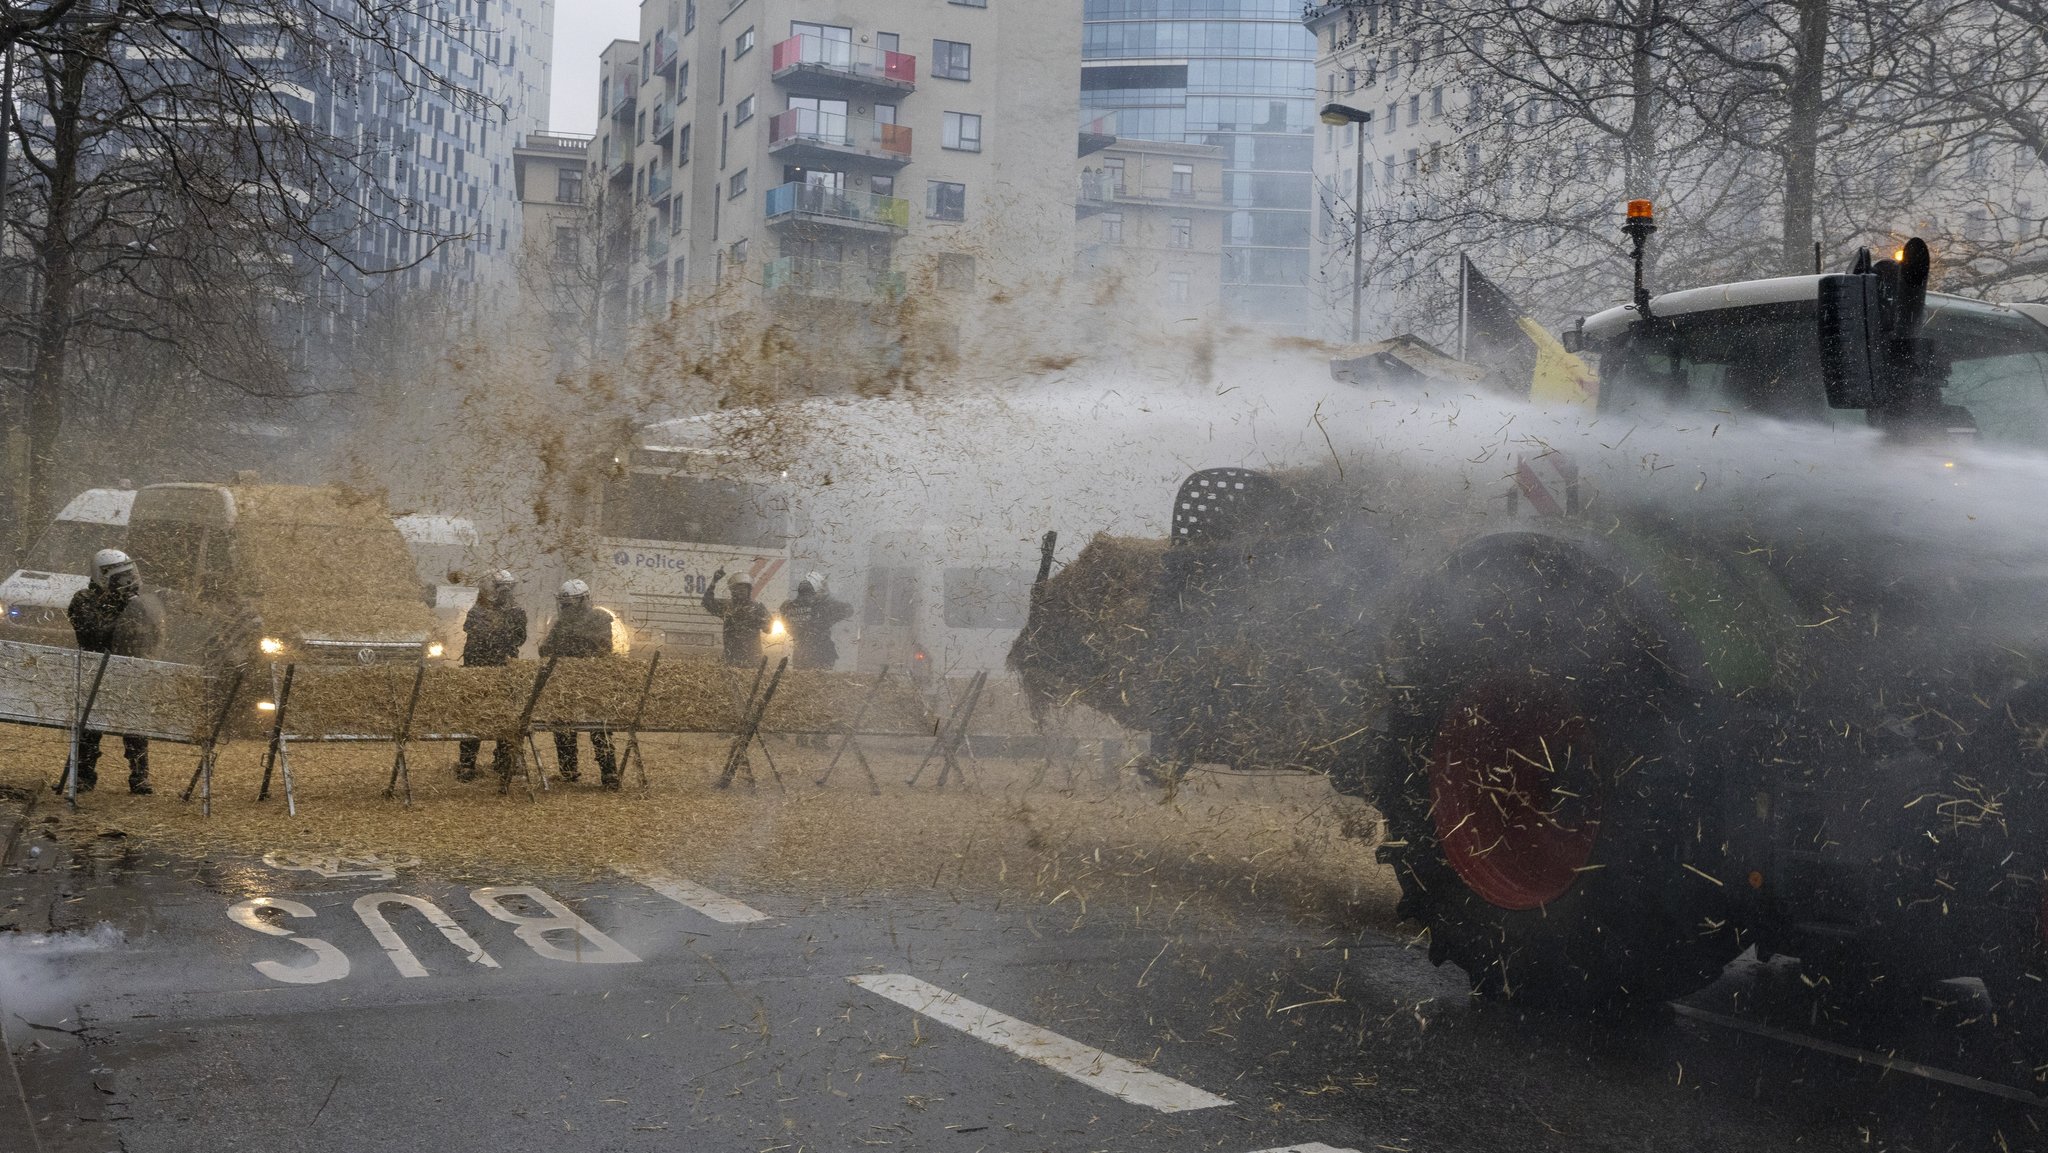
(573, 592)
(109, 563)
(815, 582)
(503, 581)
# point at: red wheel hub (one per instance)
(1513, 791)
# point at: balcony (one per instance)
(625, 94)
(662, 122)
(805, 136)
(657, 248)
(660, 181)
(1096, 192)
(837, 208)
(838, 66)
(664, 54)
(801, 276)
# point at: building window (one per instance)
(743, 111)
(689, 16)
(885, 114)
(682, 265)
(882, 185)
(1414, 109)
(945, 200)
(1393, 118)
(567, 244)
(952, 60)
(739, 251)
(1184, 180)
(956, 271)
(888, 42)
(1436, 101)
(1180, 232)
(1177, 284)
(1112, 228)
(1114, 169)
(682, 146)
(569, 185)
(969, 3)
(963, 132)
(743, 44)
(738, 184)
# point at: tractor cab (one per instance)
(1752, 349)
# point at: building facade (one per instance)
(1236, 75)
(850, 155)
(551, 173)
(1150, 225)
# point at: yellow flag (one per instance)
(1560, 377)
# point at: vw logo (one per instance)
(366, 656)
(621, 557)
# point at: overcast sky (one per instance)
(582, 29)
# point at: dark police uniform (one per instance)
(492, 634)
(810, 620)
(744, 624)
(104, 621)
(582, 632)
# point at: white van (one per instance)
(34, 597)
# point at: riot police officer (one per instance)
(745, 618)
(114, 615)
(492, 634)
(581, 630)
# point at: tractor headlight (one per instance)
(271, 646)
(266, 706)
(435, 649)
(777, 630)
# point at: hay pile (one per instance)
(1084, 845)
(1090, 637)
(326, 561)
(686, 697)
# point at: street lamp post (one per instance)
(1340, 114)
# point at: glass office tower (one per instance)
(1239, 74)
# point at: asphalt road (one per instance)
(155, 1004)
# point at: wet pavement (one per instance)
(314, 1003)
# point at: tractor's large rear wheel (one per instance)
(1546, 817)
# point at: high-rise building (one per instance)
(1238, 75)
(823, 158)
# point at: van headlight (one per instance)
(435, 649)
(271, 646)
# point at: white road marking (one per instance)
(1311, 1147)
(1863, 1056)
(716, 906)
(369, 908)
(329, 963)
(1084, 1063)
(560, 919)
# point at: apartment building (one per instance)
(1363, 63)
(1233, 74)
(551, 171)
(1150, 225)
(802, 155)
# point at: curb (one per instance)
(15, 1116)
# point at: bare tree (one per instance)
(175, 189)
(1758, 128)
